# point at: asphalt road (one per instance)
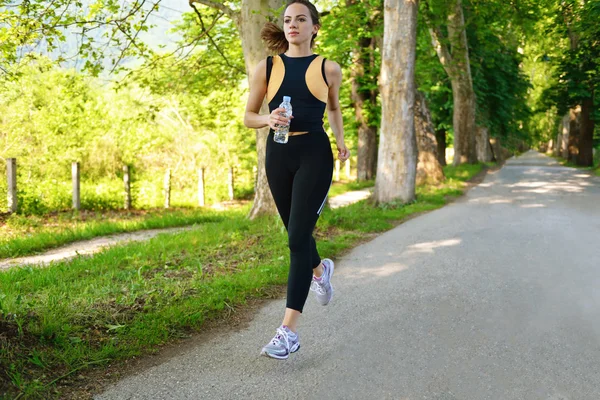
(496, 296)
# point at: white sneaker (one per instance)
(282, 345)
(322, 286)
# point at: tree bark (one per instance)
(367, 132)
(397, 157)
(440, 137)
(586, 134)
(249, 21)
(484, 151)
(429, 169)
(457, 65)
(574, 133)
(362, 64)
(499, 154)
(563, 149)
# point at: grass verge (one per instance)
(58, 322)
(26, 235)
(338, 188)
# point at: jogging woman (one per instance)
(300, 171)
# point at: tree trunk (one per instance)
(440, 137)
(397, 157)
(250, 22)
(367, 152)
(429, 170)
(367, 132)
(574, 133)
(563, 149)
(363, 63)
(457, 65)
(498, 153)
(463, 119)
(484, 151)
(586, 134)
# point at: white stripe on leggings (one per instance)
(324, 200)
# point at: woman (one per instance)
(299, 172)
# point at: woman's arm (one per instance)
(333, 72)
(258, 90)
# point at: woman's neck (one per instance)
(299, 51)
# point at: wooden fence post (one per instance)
(75, 175)
(11, 171)
(167, 188)
(127, 187)
(201, 198)
(230, 180)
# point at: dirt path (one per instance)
(92, 246)
(87, 247)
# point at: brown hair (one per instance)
(273, 35)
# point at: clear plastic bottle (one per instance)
(281, 133)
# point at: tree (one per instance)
(578, 79)
(249, 20)
(364, 69)
(453, 52)
(397, 159)
(351, 34)
(104, 29)
(429, 169)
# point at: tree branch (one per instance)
(234, 15)
(132, 40)
(214, 43)
(437, 40)
(441, 49)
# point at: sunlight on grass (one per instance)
(21, 235)
(338, 188)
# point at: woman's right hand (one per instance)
(276, 119)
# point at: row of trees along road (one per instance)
(483, 71)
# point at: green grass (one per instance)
(342, 187)
(21, 235)
(27, 235)
(58, 322)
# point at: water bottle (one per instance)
(281, 133)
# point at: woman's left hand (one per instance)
(343, 152)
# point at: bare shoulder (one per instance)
(333, 68)
(261, 66)
(333, 72)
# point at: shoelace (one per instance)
(281, 334)
(319, 287)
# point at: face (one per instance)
(297, 24)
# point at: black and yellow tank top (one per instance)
(303, 79)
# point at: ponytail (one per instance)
(274, 38)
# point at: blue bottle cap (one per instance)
(287, 98)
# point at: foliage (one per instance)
(353, 30)
(106, 30)
(50, 118)
(499, 83)
(432, 80)
(577, 66)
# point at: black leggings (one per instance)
(299, 174)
